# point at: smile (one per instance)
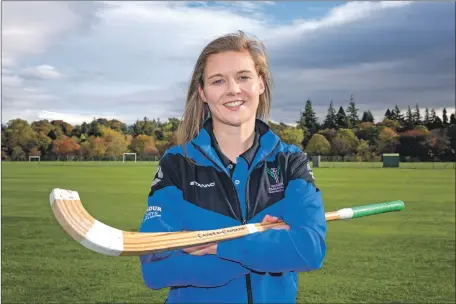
(236, 103)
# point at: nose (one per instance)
(233, 87)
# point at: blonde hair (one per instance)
(196, 110)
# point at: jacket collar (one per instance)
(267, 142)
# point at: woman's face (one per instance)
(232, 88)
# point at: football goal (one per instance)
(34, 158)
(125, 156)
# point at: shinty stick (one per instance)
(101, 238)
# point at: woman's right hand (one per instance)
(272, 219)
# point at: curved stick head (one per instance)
(82, 227)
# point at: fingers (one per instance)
(281, 227)
(197, 248)
(273, 219)
(270, 219)
(202, 250)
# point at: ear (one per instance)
(262, 87)
(201, 93)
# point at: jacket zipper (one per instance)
(248, 281)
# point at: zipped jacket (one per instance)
(197, 188)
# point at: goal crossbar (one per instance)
(128, 153)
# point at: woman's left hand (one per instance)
(202, 249)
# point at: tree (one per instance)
(331, 117)
(93, 148)
(444, 117)
(144, 145)
(416, 116)
(344, 143)
(292, 136)
(452, 119)
(388, 114)
(308, 120)
(409, 118)
(19, 133)
(387, 140)
(397, 115)
(367, 117)
(363, 150)
(342, 119)
(427, 119)
(318, 145)
(115, 142)
(416, 143)
(436, 122)
(352, 112)
(66, 147)
(329, 134)
(368, 131)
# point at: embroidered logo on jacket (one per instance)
(195, 183)
(274, 173)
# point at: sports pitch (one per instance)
(402, 257)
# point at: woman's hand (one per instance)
(202, 249)
(272, 219)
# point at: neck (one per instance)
(234, 141)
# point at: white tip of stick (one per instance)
(345, 213)
(104, 239)
(62, 194)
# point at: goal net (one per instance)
(129, 155)
(34, 158)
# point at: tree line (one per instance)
(340, 133)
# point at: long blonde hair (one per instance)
(195, 109)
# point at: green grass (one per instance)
(402, 257)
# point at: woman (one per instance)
(228, 169)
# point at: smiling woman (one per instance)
(230, 168)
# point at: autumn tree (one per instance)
(93, 148)
(66, 147)
(368, 131)
(115, 142)
(387, 140)
(344, 143)
(318, 145)
(291, 135)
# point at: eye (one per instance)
(245, 77)
(218, 81)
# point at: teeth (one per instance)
(234, 103)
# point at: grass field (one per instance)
(403, 257)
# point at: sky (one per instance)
(125, 60)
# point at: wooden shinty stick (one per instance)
(101, 238)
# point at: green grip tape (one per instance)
(377, 208)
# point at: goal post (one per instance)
(37, 158)
(128, 153)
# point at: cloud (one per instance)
(29, 28)
(136, 58)
(43, 71)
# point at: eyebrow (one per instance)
(220, 75)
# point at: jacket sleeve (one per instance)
(300, 249)
(166, 208)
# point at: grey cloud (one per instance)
(408, 56)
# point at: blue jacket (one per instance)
(197, 188)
